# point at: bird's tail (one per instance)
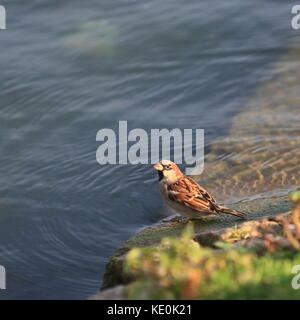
(232, 212)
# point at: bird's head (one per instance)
(168, 171)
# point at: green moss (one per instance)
(182, 269)
(295, 196)
(207, 232)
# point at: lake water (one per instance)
(70, 68)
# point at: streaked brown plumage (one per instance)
(186, 196)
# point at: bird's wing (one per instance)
(188, 192)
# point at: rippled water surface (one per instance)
(70, 68)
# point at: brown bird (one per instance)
(185, 196)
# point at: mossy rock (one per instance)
(207, 232)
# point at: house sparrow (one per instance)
(184, 195)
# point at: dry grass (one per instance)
(291, 225)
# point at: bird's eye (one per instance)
(168, 167)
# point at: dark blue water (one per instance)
(70, 68)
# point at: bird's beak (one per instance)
(158, 167)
